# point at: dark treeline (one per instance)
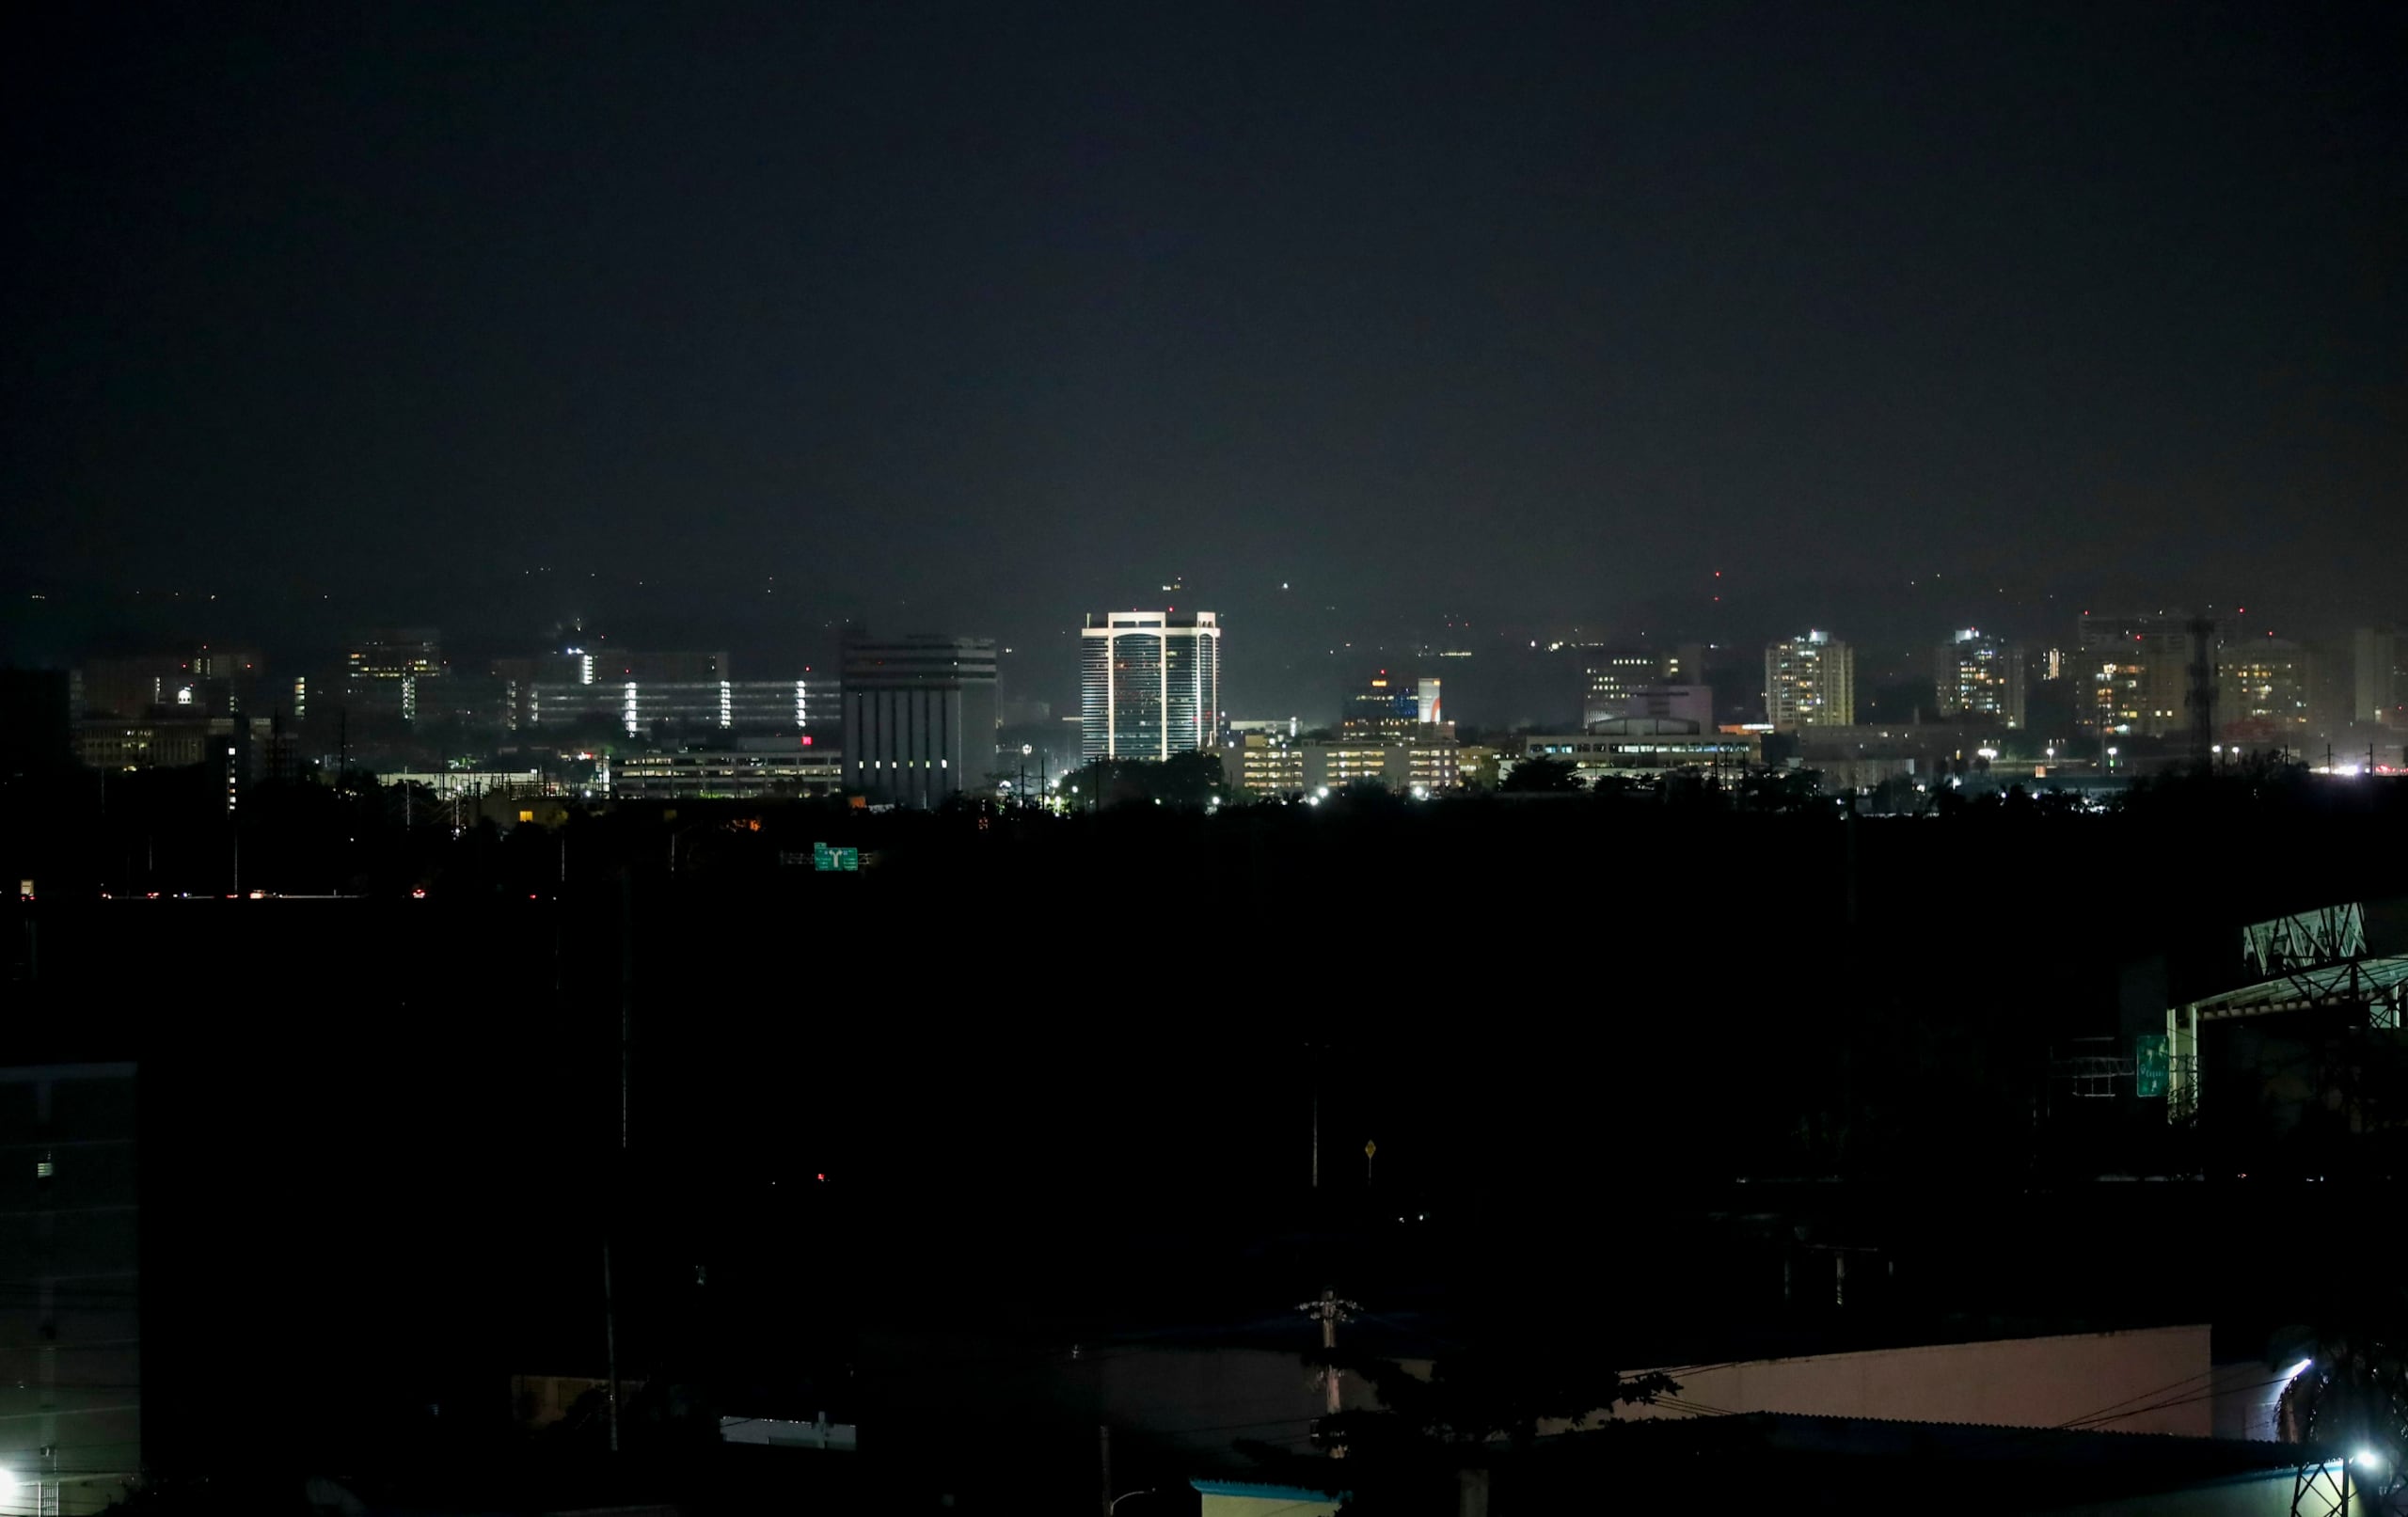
(1065, 1068)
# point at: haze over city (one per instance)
(719, 329)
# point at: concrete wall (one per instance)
(1247, 1499)
(1204, 1400)
(2159, 1379)
(2255, 1496)
(1215, 1505)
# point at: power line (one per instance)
(2160, 1390)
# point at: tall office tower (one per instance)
(1150, 683)
(920, 713)
(1385, 705)
(1980, 676)
(382, 669)
(1809, 682)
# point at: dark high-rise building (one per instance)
(36, 723)
(920, 713)
(2379, 676)
(2136, 673)
(383, 667)
(1608, 675)
(1150, 683)
(2262, 688)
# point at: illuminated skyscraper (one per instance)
(1150, 683)
(1809, 682)
(1978, 675)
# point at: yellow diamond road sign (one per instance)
(1369, 1148)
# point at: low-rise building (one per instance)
(802, 705)
(449, 783)
(736, 775)
(1626, 750)
(117, 744)
(1261, 764)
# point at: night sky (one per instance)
(977, 317)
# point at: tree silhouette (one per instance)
(1545, 776)
(1405, 1455)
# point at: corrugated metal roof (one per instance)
(2331, 985)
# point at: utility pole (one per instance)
(1312, 1051)
(626, 1015)
(1104, 1452)
(611, 1343)
(1330, 1311)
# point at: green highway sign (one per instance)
(824, 857)
(2149, 1063)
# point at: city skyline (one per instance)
(1175, 760)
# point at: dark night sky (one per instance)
(978, 317)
